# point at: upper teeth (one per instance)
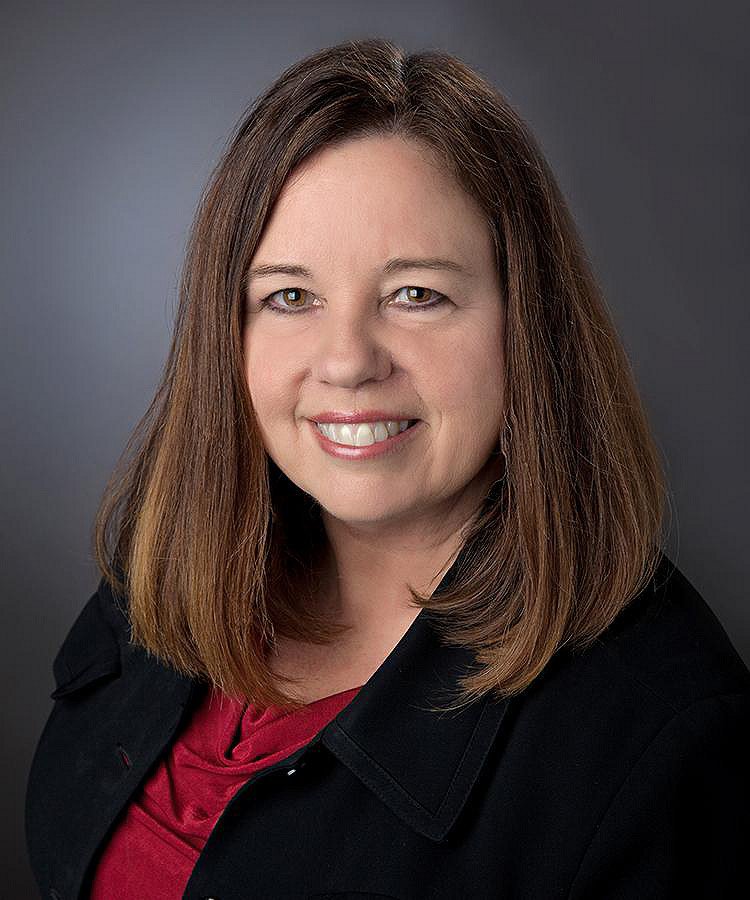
(363, 433)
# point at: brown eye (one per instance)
(421, 297)
(418, 293)
(292, 299)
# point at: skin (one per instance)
(357, 344)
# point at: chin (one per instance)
(355, 514)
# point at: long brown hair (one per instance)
(218, 552)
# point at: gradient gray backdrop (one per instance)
(112, 118)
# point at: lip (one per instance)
(379, 448)
(355, 418)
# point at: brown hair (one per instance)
(218, 551)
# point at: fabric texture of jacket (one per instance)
(620, 773)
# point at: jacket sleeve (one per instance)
(679, 825)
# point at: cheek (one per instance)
(265, 376)
(469, 383)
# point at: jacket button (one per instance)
(54, 895)
(291, 772)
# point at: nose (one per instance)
(349, 349)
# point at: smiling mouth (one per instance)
(364, 434)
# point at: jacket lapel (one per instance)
(421, 763)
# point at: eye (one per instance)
(292, 295)
(425, 298)
(292, 299)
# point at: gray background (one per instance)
(113, 116)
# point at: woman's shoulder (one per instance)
(665, 660)
(661, 699)
(91, 647)
(670, 644)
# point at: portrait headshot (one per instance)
(378, 566)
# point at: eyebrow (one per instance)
(397, 264)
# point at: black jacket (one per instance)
(621, 772)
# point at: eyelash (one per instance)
(266, 301)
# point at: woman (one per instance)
(383, 610)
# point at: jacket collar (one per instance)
(421, 763)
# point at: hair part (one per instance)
(219, 553)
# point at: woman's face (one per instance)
(358, 332)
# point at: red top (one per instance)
(155, 845)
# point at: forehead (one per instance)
(375, 196)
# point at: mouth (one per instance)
(361, 441)
(347, 432)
